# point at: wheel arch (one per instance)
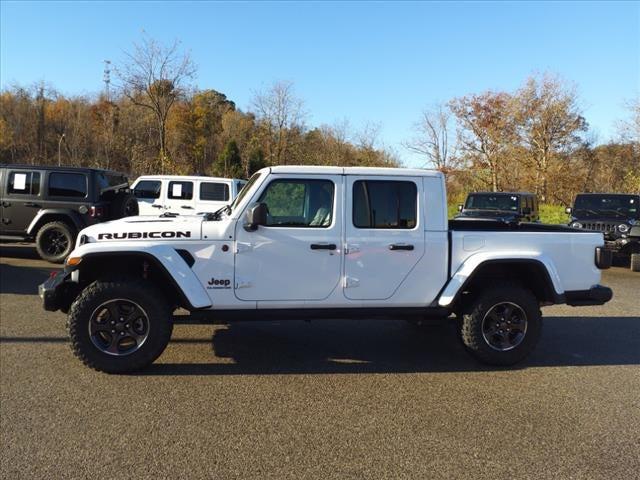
(166, 268)
(532, 273)
(71, 218)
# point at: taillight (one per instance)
(96, 212)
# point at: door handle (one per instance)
(6, 204)
(323, 246)
(156, 206)
(187, 206)
(31, 204)
(400, 246)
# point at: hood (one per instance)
(187, 227)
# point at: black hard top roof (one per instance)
(60, 168)
(502, 193)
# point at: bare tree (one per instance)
(154, 76)
(279, 111)
(432, 140)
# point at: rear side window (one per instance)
(24, 183)
(217, 192)
(385, 204)
(67, 185)
(180, 190)
(147, 189)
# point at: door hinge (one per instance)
(350, 282)
(242, 283)
(351, 248)
(243, 247)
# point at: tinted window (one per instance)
(218, 192)
(299, 203)
(67, 185)
(384, 204)
(607, 205)
(24, 183)
(147, 189)
(491, 201)
(180, 190)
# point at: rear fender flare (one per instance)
(472, 264)
(41, 218)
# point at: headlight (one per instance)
(623, 228)
(576, 225)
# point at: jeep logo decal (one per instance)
(142, 235)
(215, 283)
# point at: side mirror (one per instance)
(568, 210)
(256, 216)
(526, 211)
(460, 207)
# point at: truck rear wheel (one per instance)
(54, 241)
(502, 326)
(119, 326)
(635, 262)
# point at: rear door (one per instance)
(180, 197)
(22, 199)
(384, 234)
(149, 193)
(297, 255)
(212, 196)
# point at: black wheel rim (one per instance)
(504, 326)
(56, 242)
(119, 327)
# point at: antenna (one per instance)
(107, 78)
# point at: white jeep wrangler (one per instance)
(320, 242)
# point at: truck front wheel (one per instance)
(502, 326)
(119, 326)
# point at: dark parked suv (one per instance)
(617, 215)
(52, 204)
(510, 207)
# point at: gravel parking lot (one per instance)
(326, 399)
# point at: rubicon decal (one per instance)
(216, 283)
(142, 235)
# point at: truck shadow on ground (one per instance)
(374, 346)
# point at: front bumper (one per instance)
(598, 295)
(54, 292)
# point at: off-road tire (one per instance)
(45, 238)
(471, 324)
(124, 205)
(635, 262)
(138, 291)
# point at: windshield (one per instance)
(492, 202)
(244, 191)
(607, 205)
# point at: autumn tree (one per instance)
(432, 140)
(549, 124)
(154, 77)
(485, 130)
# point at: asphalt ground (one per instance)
(326, 399)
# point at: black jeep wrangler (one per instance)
(52, 204)
(614, 214)
(508, 207)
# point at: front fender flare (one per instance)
(165, 257)
(465, 272)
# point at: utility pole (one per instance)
(107, 79)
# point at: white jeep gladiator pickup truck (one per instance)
(320, 242)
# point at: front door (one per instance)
(297, 255)
(149, 194)
(384, 234)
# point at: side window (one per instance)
(67, 185)
(148, 189)
(218, 192)
(384, 204)
(180, 190)
(299, 203)
(240, 185)
(24, 183)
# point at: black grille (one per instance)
(600, 226)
